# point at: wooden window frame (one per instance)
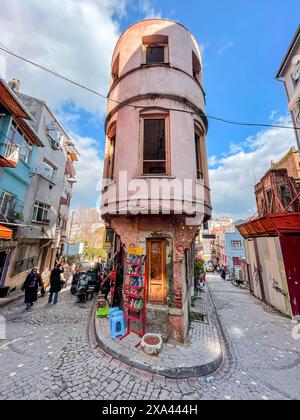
(199, 151)
(155, 116)
(153, 41)
(111, 151)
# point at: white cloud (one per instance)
(146, 7)
(212, 161)
(273, 115)
(89, 170)
(225, 47)
(233, 181)
(75, 38)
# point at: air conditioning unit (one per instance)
(55, 145)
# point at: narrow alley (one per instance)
(50, 353)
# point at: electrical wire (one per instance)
(103, 96)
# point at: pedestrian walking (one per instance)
(56, 283)
(223, 273)
(31, 287)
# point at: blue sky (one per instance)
(243, 44)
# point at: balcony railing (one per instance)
(45, 173)
(9, 154)
(11, 210)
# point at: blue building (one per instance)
(234, 249)
(18, 149)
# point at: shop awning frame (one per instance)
(5, 233)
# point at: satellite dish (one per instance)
(296, 72)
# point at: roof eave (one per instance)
(12, 102)
(296, 37)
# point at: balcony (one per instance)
(47, 173)
(9, 154)
(11, 209)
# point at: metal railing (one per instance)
(7, 148)
(11, 209)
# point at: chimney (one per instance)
(14, 84)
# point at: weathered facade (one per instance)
(19, 145)
(277, 192)
(272, 242)
(42, 181)
(156, 129)
(289, 74)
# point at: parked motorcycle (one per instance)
(83, 288)
(93, 272)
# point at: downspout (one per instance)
(261, 282)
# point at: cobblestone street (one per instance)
(50, 353)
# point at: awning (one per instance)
(5, 233)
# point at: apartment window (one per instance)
(198, 147)
(285, 196)
(54, 133)
(236, 261)
(48, 170)
(196, 67)
(236, 244)
(156, 49)
(155, 55)
(7, 204)
(296, 74)
(41, 212)
(154, 146)
(18, 138)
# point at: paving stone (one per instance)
(76, 370)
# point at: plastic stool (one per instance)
(117, 326)
(113, 311)
(115, 314)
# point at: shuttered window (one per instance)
(154, 157)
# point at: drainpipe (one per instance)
(259, 269)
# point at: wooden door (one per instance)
(157, 285)
(290, 246)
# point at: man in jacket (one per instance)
(55, 283)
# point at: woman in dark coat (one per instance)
(31, 287)
(55, 283)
